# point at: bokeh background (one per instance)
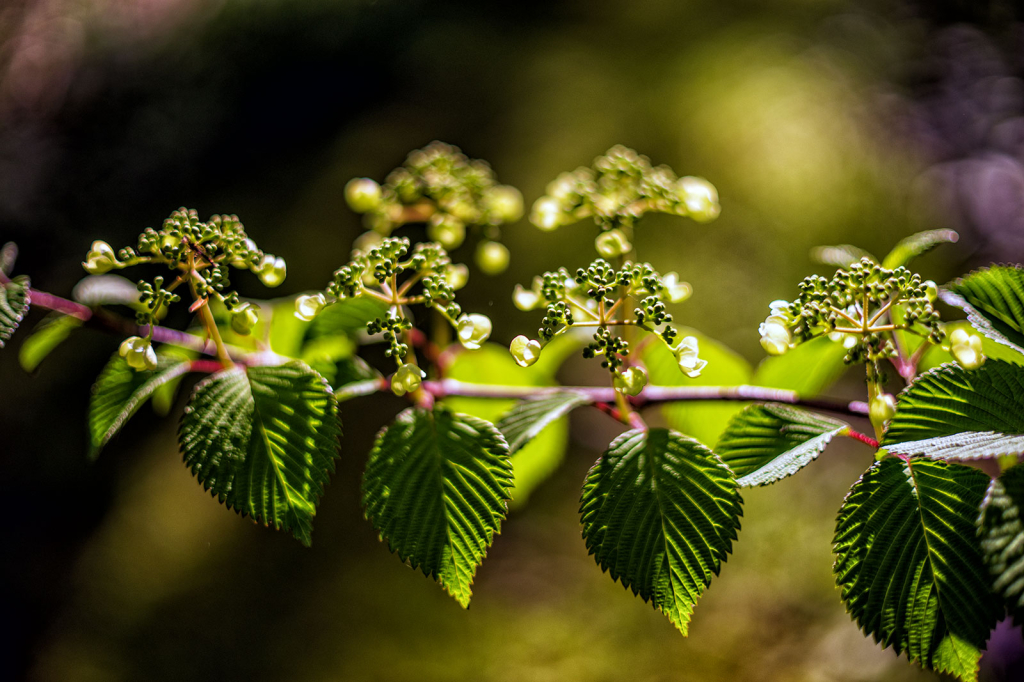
(820, 122)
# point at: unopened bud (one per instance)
(474, 329)
(524, 350)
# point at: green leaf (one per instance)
(345, 317)
(120, 391)
(917, 245)
(167, 392)
(909, 564)
(529, 417)
(953, 413)
(52, 331)
(809, 369)
(1002, 538)
(263, 441)
(703, 420)
(493, 364)
(766, 443)
(840, 256)
(14, 303)
(993, 299)
(436, 488)
(659, 513)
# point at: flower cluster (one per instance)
(440, 186)
(397, 275)
(862, 306)
(600, 296)
(617, 190)
(201, 254)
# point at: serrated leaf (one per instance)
(345, 317)
(840, 255)
(659, 513)
(808, 369)
(52, 331)
(766, 443)
(529, 417)
(493, 364)
(1001, 527)
(436, 488)
(264, 441)
(993, 299)
(917, 245)
(909, 564)
(953, 413)
(120, 391)
(14, 304)
(703, 420)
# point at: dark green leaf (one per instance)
(263, 441)
(436, 488)
(659, 513)
(14, 303)
(766, 443)
(993, 299)
(529, 417)
(917, 245)
(1002, 538)
(909, 564)
(953, 413)
(120, 391)
(48, 334)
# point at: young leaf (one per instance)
(659, 513)
(766, 443)
(909, 564)
(529, 417)
(953, 413)
(14, 303)
(48, 334)
(120, 391)
(917, 245)
(808, 369)
(436, 488)
(264, 440)
(993, 299)
(703, 420)
(1002, 538)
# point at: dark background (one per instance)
(819, 122)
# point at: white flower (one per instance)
(967, 349)
(631, 381)
(775, 336)
(688, 357)
(138, 353)
(307, 307)
(407, 379)
(546, 214)
(700, 197)
(677, 291)
(612, 244)
(473, 330)
(272, 271)
(101, 259)
(526, 351)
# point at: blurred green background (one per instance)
(820, 122)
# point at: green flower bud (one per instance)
(307, 307)
(524, 350)
(612, 244)
(473, 330)
(631, 381)
(882, 409)
(525, 299)
(138, 353)
(775, 335)
(457, 276)
(546, 213)
(688, 357)
(447, 230)
(362, 194)
(407, 379)
(504, 203)
(244, 318)
(492, 257)
(676, 291)
(101, 259)
(700, 197)
(272, 271)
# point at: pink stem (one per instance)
(867, 440)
